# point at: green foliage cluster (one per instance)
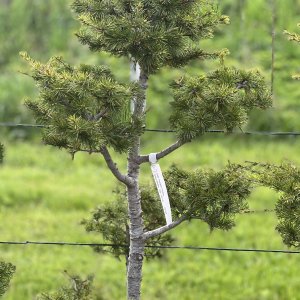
(284, 179)
(153, 33)
(6, 272)
(84, 108)
(78, 289)
(214, 197)
(211, 196)
(222, 99)
(111, 221)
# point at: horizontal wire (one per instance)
(274, 133)
(151, 246)
(9, 124)
(249, 211)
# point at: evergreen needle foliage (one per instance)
(211, 196)
(85, 108)
(222, 99)
(155, 33)
(6, 272)
(214, 197)
(111, 221)
(78, 289)
(285, 179)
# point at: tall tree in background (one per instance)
(86, 109)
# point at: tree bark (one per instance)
(136, 251)
(137, 243)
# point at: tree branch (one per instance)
(163, 229)
(97, 117)
(113, 167)
(163, 153)
(100, 115)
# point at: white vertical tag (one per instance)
(161, 187)
(135, 72)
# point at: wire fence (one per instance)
(261, 211)
(262, 133)
(166, 247)
(273, 133)
(195, 248)
(11, 124)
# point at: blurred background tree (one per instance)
(6, 272)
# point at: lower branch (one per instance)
(113, 167)
(163, 229)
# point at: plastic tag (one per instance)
(161, 187)
(135, 72)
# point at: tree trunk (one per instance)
(136, 252)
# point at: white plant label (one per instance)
(161, 187)
(135, 72)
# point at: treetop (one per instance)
(152, 33)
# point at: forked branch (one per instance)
(114, 168)
(163, 153)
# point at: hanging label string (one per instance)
(161, 187)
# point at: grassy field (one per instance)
(44, 196)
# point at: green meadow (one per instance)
(45, 195)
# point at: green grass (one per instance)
(45, 195)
